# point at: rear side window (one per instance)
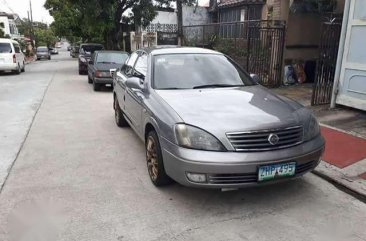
(5, 48)
(17, 48)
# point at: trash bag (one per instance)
(290, 75)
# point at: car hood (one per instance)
(107, 67)
(223, 110)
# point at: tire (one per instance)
(154, 161)
(49, 58)
(96, 87)
(90, 81)
(118, 114)
(80, 72)
(23, 69)
(18, 70)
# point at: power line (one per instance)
(7, 5)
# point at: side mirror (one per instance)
(255, 77)
(134, 83)
(91, 62)
(112, 72)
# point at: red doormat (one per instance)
(341, 149)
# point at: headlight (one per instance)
(83, 60)
(102, 74)
(312, 129)
(195, 138)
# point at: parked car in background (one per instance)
(206, 123)
(11, 56)
(100, 64)
(74, 51)
(53, 51)
(85, 52)
(43, 53)
(69, 48)
(58, 45)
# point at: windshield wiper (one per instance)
(215, 86)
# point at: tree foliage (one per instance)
(101, 20)
(45, 37)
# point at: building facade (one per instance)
(8, 21)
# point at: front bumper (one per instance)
(103, 80)
(43, 56)
(236, 169)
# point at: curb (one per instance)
(353, 186)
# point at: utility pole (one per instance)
(180, 22)
(31, 22)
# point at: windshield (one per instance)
(89, 49)
(5, 48)
(42, 49)
(189, 71)
(112, 58)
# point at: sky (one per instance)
(22, 6)
(39, 12)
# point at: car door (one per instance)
(134, 97)
(120, 78)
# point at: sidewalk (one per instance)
(29, 60)
(344, 129)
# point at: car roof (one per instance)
(90, 44)
(171, 49)
(6, 40)
(111, 51)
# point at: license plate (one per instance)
(270, 172)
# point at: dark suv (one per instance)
(85, 53)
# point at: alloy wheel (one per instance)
(151, 156)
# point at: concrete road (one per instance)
(80, 177)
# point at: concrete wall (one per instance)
(195, 16)
(303, 31)
(191, 16)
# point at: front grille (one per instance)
(232, 178)
(259, 140)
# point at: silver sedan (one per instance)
(206, 123)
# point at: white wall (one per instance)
(165, 18)
(5, 21)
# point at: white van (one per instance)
(11, 56)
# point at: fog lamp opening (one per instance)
(196, 177)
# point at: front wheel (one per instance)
(154, 159)
(118, 114)
(23, 69)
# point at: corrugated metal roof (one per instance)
(233, 3)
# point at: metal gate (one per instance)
(328, 52)
(257, 46)
(265, 52)
(167, 38)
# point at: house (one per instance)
(9, 23)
